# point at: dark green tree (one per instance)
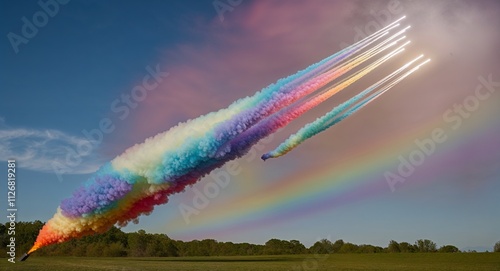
(496, 248)
(171, 249)
(393, 247)
(155, 248)
(337, 246)
(349, 248)
(297, 247)
(369, 249)
(323, 246)
(406, 247)
(274, 247)
(93, 249)
(116, 243)
(137, 243)
(209, 247)
(448, 249)
(425, 245)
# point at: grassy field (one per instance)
(338, 262)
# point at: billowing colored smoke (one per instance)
(146, 174)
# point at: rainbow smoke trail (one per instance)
(146, 174)
(330, 119)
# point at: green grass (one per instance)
(337, 262)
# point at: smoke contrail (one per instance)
(330, 119)
(146, 174)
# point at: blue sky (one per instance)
(66, 78)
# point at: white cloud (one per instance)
(40, 150)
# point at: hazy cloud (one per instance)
(39, 149)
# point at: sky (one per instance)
(59, 84)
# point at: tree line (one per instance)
(116, 243)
